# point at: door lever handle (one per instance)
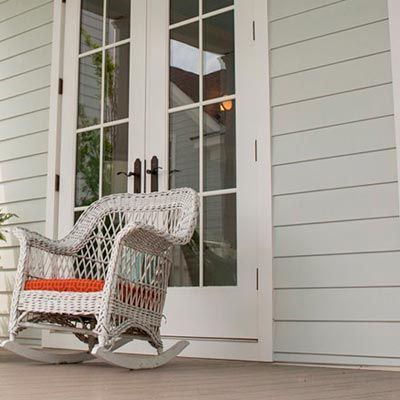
(128, 175)
(153, 171)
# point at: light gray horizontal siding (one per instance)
(312, 53)
(338, 140)
(367, 103)
(285, 8)
(371, 339)
(326, 20)
(338, 304)
(330, 173)
(359, 202)
(29, 61)
(331, 79)
(338, 270)
(335, 184)
(25, 58)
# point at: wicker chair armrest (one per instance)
(146, 238)
(28, 238)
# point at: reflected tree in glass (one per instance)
(87, 168)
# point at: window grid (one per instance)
(101, 49)
(200, 106)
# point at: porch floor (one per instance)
(192, 379)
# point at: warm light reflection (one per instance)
(226, 105)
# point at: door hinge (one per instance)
(57, 183)
(254, 31)
(60, 86)
(255, 151)
(63, 1)
(256, 278)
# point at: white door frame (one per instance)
(256, 38)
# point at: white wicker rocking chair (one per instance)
(120, 252)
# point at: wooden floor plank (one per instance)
(193, 379)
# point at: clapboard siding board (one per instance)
(27, 211)
(7, 280)
(351, 138)
(342, 304)
(20, 125)
(23, 189)
(359, 42)
(5, 300)
(25, 103)
(349, 75)
(336, 205)
(25, 62)
(340, 270)
(374, 339)
(338, 237)
(341, 108)
(26, 21)
(26, 41)
(23, 146)
(8, 260)
(353, 170)
(23, 168)
(25, 58)
(336, 271)
(13, 8)
(284, 8)
(326, 20)
(30, 81)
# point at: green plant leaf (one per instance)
(4, 217)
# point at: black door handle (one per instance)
(128, 175)
(137, 166)
(153, 171)
(137, 183)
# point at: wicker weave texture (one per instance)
(123, 239)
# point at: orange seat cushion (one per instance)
(65, 285)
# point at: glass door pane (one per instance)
(202, 137)
(103, 100)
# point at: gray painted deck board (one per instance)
(186, 378)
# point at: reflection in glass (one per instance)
(91, 25)
(116, 88)
(87, 168)
(219, 56)
(118, 20)
(179, 10)
(219, 146)
(77, 214)
(115, 159)
(185, 263)
(211, 5)
(89, 97)
(184, 65)
(220, 240)
(184, 149)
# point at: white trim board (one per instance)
(394, 29)
(53, 161)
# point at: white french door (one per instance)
(156, 96)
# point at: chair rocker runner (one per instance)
(106, 281)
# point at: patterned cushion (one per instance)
(65, 285)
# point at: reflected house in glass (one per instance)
(202, 72)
